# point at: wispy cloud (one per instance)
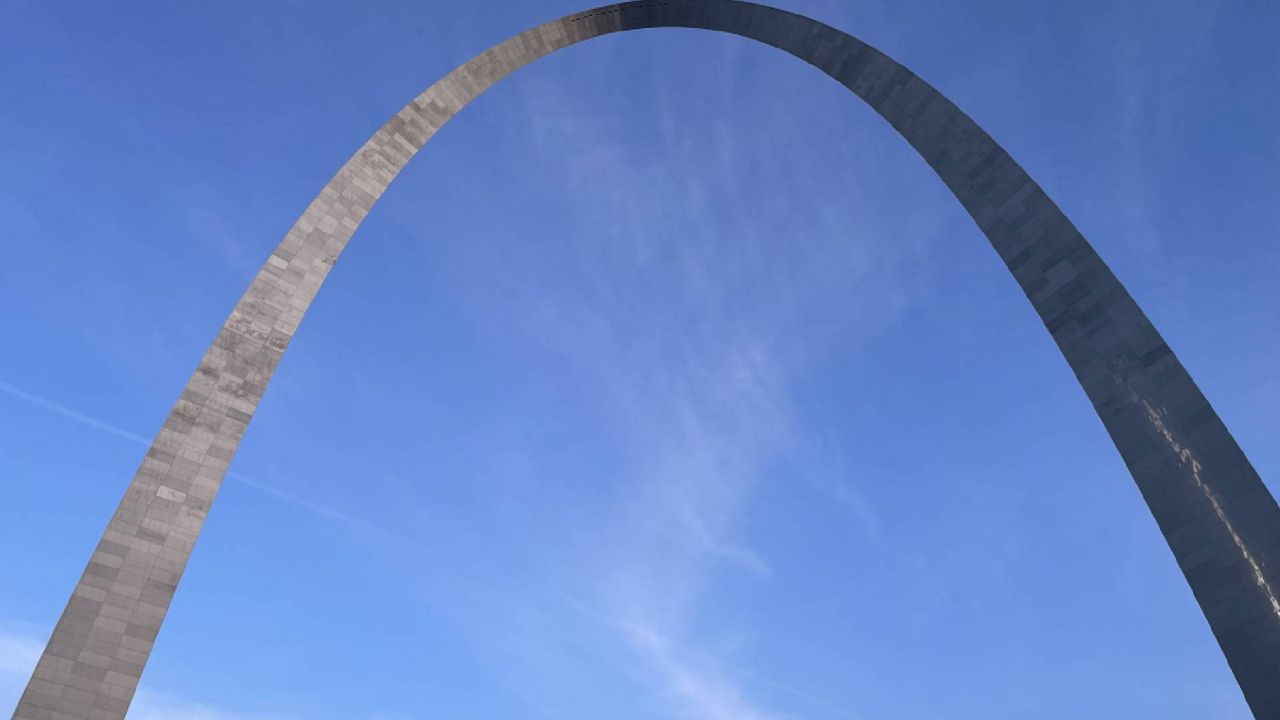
(19, 651)
(701, 692)
(1149, 71)
(696, 341)
(689, 307)
(18, 654)
(708, 412)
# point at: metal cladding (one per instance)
(1220, 521)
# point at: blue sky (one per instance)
(667, 382)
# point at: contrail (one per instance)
(106, 427)
(70, 414)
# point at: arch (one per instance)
(1218, 518)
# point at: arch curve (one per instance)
(1219, 519)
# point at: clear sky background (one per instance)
(666, 382)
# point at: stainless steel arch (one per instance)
(1220, 521)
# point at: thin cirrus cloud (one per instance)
(20, 650)
(706, 398)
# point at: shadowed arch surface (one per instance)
(1218, 518)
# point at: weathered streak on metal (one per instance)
(1220, 521)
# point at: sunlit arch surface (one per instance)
(1220, 521)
